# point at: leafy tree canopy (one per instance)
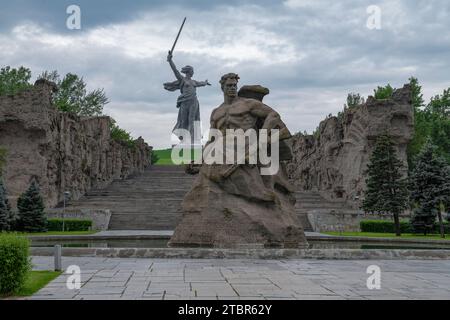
(13, 81)
(72, 95)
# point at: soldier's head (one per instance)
(229, 83)
(188, 71)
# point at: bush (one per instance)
(69, 225)
(382, 226)
(382, 93)
(15, 262)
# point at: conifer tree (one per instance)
(430, 188)
(386, 190)
(31, 216)
(4, 210)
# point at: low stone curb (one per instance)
(162, 237)
(372, 239)
(201, 253)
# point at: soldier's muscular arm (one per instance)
(271, 118)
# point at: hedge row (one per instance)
(69, 225)
(383, 226)
(15, 262)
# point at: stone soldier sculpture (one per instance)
(232, 205)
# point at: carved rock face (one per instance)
(335, 160)
(62, 151)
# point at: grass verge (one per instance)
(388, 235)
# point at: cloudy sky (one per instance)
(310, 53)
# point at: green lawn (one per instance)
(388, 235)
(36, 281)
(165, 156)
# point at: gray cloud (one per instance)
(309, 53)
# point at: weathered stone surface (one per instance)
(61, 150)
(254, 92)
(334, 161)
(233, 205)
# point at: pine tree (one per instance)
(430, 188)
(4, 210)
(31, 210)
(386, 187)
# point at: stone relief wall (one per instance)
(63, 151)
(334, 161)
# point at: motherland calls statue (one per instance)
(187, 103)
(234, 205)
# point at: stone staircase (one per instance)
(314, 203)
(150, 201)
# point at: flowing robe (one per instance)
(187, 104)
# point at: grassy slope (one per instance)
(164, 157)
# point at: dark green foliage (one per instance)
(121, 135)
(382, 93)
(430, 121)
(6, 216)
(383, 226)
(69, 225)
(154, 158)
(430, 187)
(15, 262)
(72, 95)
(439, 115)
(13, 81)
(31, 216)
(2, 159)
(353, 100)
(386, 187)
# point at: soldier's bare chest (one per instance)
(234, 116)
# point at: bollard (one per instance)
(57, 254)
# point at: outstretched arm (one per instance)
(202, 83)
(174, 68)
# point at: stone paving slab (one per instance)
(246, 279)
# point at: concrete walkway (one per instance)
(114, 278)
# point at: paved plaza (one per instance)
(168, 279)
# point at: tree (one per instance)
(31, 216)
(430, 188)
(4, 210)
(2, 159)
(13, 81)
(120, 135)
(431, 120)
(438, 111)
(381, 93)
(6, 205)
(386, 190)
(72, 95)
(353, 100)
(421, 122)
